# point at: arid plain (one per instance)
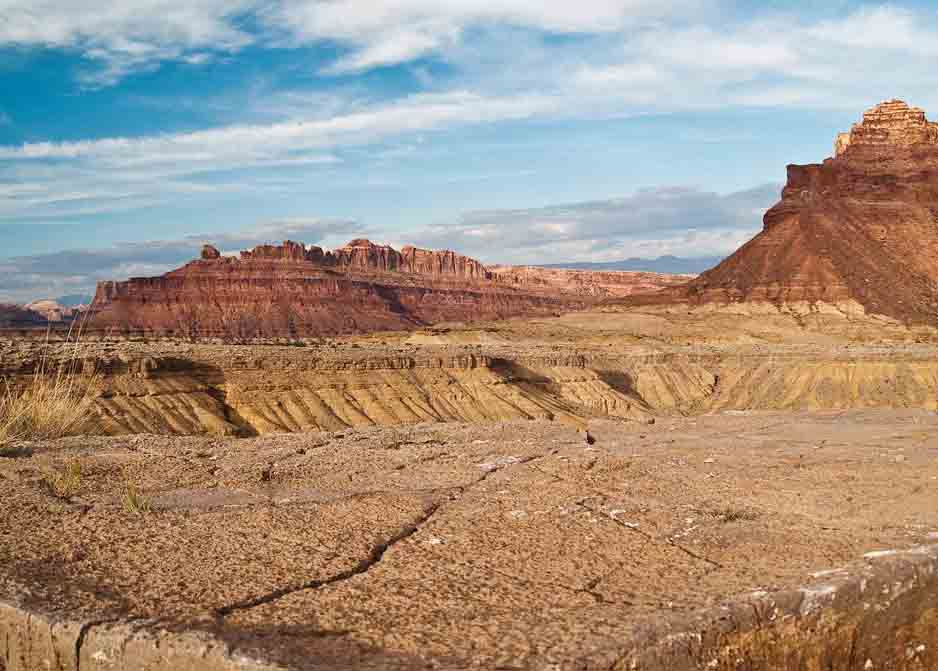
(511, 469)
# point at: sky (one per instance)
(516, 131)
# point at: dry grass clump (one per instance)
(54, 402)
(49, 407)
(64, 483)
(135, 502)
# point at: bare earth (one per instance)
(509, 546)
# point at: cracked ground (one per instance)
(511, 546)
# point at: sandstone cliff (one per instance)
(587, 283)
(292, 290)
(860, 227)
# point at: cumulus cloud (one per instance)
(27, 278)
(653, 222)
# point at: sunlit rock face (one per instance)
(861, 227)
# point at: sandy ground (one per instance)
(510, 546)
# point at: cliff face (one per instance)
(364, 255)
(292, 291)
(862, 226)
(589, 284)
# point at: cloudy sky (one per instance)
(514, 130)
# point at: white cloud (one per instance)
(628, 57)
(52, 179)
(133, 35)
(682, 221)
(395, 31)
(128, 35)
(788, 59)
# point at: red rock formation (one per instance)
(586, 283)
(861, 226)
(294, 290)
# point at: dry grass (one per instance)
(64, 483)
(54, 401)
(135, 502)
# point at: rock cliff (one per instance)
(586, 283)
(861, 227)
(293, 290)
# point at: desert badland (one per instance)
(378, 459)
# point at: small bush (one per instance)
(134, 501)
(65, 483)
(50, 406)
(53, 403)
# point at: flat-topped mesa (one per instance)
(890, 124)
(291, 290)
(364, 256)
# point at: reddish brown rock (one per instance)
(586, 283)
(292, 290)
(209, 253)
(862, 226)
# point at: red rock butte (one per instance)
(294, 290)
(860, 227)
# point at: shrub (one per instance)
(135, 502)
(64, 483)
(54, 401)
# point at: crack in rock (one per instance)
(377, 552)
(633, 529)
(374, 557)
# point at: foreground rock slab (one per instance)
(735, 540)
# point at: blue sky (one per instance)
(516, 131)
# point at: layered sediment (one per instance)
(295, 291)
(860, 228)
(219, 390)
(586, 283)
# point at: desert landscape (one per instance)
(368, 458)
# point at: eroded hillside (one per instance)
(630, 365)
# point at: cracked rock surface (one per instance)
(517, 545)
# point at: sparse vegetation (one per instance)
(53, 402)
(135, 502)
(66, 482)
(733, 514)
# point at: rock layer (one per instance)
(292, 290)
(589, 283)
(862, 226)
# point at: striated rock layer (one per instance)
(860, 227)
(590, 283)
(293, 290)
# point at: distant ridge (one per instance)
(662, 264)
